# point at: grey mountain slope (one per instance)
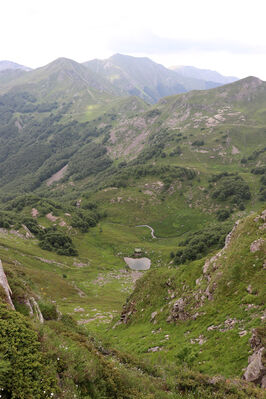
(12, 65)
(62, 78)
(145, 78)
(204, 74)
(9, 75)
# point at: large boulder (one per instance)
(256, 369)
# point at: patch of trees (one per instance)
(91, 159)
(230, 186)
(57, 241)
(152, 152)
(198, 143)
(22, 102)
(44, 205)
(83, 220)
(255, 154)
(165, 172)
(51, 239)
(259, 170)
(7, 220)
(153, 113)
(200, 243)
(175, 152)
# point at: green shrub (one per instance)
(23, 371)
(48, 310)
(230, 186)
(222, 215)
(200, 243)
(59, 242)
(198, 143)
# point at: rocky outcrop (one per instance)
(212, 261)
(37, 310)
(4, 284)
(28, 232)
(34, 309)
(257, 245)
(128, 310)
(178, 311)
(256, 369)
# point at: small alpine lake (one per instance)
(138, 263)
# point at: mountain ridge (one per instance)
(205, 74)
(5, 64)
(143, 77)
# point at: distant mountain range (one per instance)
(120, 75)
(147, 79)
(204, 74)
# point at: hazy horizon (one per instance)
(228, 39)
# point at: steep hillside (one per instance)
(144, 78)
(204, 74)
(63, 78)
(219, 119)
(203, 313)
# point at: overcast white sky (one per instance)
(225, 35)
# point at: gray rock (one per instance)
(256, 370)
(155, 349)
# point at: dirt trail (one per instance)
(149, 227)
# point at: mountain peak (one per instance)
(5, 64)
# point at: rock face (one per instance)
(178, 311)
(256, 370)
(5, 285)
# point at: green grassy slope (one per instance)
(91, 287)
(201, 318)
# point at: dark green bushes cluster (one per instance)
(198, 143)
(259, 170)
(44, 147)
(255, 154)
(222, 214)
(153, 113)
(57, 241)
(153, 151)
(230, 187)
(176, 151)
(24, 372)
(7, 219)
(165, 172)
(90, 160)
(83, 220)
(51, 239)
(200, 243)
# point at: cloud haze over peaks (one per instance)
(149, 43)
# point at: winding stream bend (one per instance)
(149, 227)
